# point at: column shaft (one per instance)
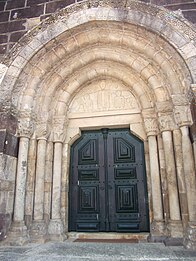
(29, 201)
(21, 179)
(163, 176)
(56, 193)
(155, 179)
(48, 181)
(39, 185)
(180, 175)
(171, 176)
(189, 171)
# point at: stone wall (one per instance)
(17, 17)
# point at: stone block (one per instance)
(182, 6)
(11, 145)
(2, 140)
(56, 230)
(38, 231)
(7, 167)
(190, 15)
(5, 221)
(190, 236)
(10, 201)
(8, 144)
(16, 36)
(12, 26)
(53, 6)
(2, 5)
(166, 2)
(18, 234)
(3, 38)
(33, 11)
(3, 48)
(6, 185)
(8, 122)
(15, 4)
(4, 16)
(35, 2)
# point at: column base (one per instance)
(18, 234)
(190, 236)
(175, 228)
(38, 232)
(56, 231)
(158, 231)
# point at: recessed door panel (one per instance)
(107, 183)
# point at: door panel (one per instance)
(107, 183)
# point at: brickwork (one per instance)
(17, 17)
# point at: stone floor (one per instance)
(77, 251)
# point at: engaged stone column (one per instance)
(38, 231)
(175, 223)
(18, 234)
(56, 229)
(188, 162)
(157, 226)
(183, 118)
(189, 170)
(180, 176)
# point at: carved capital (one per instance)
(59, 128)
(151, 126)
(192, 94)
(164, 107)
(182, 115)
(166, 122)
(42, 131)
(25, 124)
(180, 100)
(25, 127)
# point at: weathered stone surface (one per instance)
(190, 236)
(94, 65)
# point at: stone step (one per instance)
(137, 237)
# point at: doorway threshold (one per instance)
(108, 237)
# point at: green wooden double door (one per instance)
(108, 183)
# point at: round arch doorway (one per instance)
(108, 190)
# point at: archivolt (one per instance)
(61, 67)
(62, 54)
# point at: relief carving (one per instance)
(42, 131)
(165, 106)
(151, 126)
(103, 96)
(59, 128)
(180, 99)
(25, 124)
(166, 122)
(182, 115)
